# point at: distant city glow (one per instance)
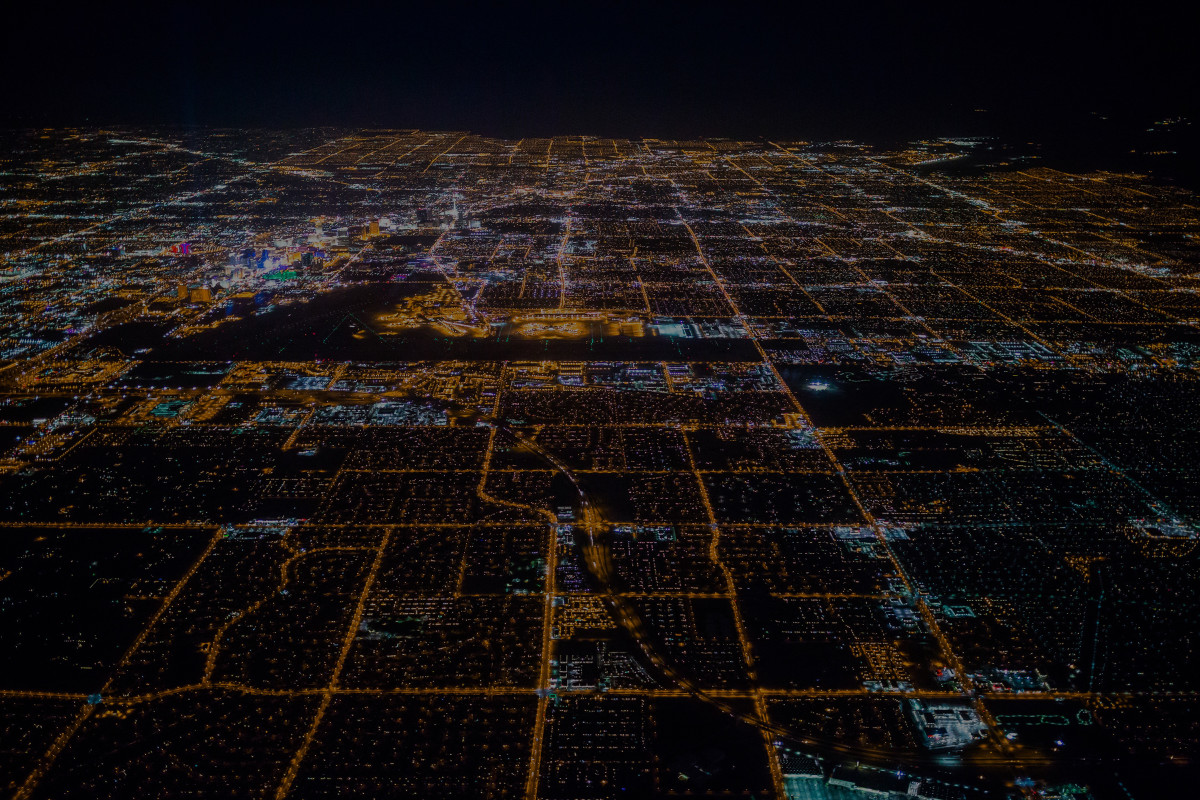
(426, 464)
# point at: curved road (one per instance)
(597, 558)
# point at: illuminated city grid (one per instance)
(422, 464)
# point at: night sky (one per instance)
(642, 69)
